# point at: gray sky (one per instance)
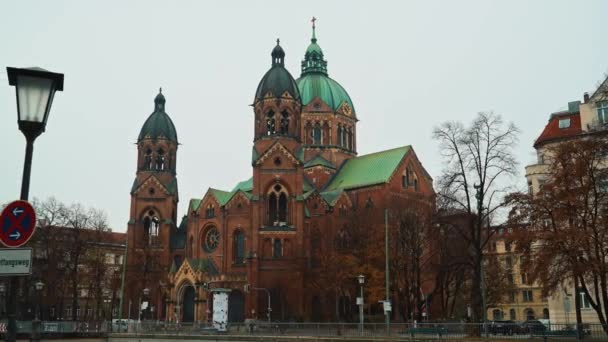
(407, 65)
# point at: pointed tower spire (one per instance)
(314, 36)
(313, 59)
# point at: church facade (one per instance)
(261, 240)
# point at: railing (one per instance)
(457, 331)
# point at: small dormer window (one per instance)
(602, 112)
(564, 123)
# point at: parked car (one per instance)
(534, 327)
(506, 327)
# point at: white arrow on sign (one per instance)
(16, 235)
(17, 211)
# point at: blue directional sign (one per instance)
(17, 223)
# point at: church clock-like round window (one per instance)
(212, 239)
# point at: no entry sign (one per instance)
(17, 224)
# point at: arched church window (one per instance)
(343, 137)
(160, 160)
(239, 247)
(210, 211)
(308, 133)
(277, 248)
(277, 206)
(270, 123)
(349, 140)
(211, 239)
(415, 184)
(342, 241)
(148, 159)
(339, 134)
(151, 226)
(316, 134)
(284, 122)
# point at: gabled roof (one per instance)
(331, 197)
(246, 185)
(319, 161)
(552, 130)
(170, 186)
(203, 265)
(367, 170)
(221, 196)
(195, 203)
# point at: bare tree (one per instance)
(479, 159)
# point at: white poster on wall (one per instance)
(220, 310)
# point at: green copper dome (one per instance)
(314, 81)
(277, 80)
(159, 124)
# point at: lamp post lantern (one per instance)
(35, 89)
(360, 301)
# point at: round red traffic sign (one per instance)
(17, 223)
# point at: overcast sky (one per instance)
(407, 65)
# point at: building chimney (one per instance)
(585, 97)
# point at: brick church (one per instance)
(258, 241)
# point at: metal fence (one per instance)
(457, 331)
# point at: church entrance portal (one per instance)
(188, 304)
(236, 307)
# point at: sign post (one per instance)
(17, 225)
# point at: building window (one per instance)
(212, 239)
(160, 160)
(508, 246)
(602, 112)
(284, 122)
(529, 314)
(545, 313)
(509, 262)
(342, 239)
(68, 312)
(564, 123)
(497, 314)
(512, 315)
(151, 226)
(270, 124)
(415, 184)
(512, 295)
(316, 134)
(239, 247)
(210, 211)
(527, 296)
(585, 302)
(524, 278)
(510, 279)
(78, 311)
(277, 206)
(148, 159)
(277, 248)
(339, 135)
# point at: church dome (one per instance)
(159, 124)
(277, 80)
(314, 81)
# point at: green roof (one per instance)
(277, 81)
(159, 124)
(314, 85)
(195, 203)
(246, 185)
(319, 161)
(331, 197)
(370, 169)
(221, 196)
(306, 186)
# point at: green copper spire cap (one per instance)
(159, 124)
(313, 59)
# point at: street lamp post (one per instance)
(360, 301)
(35, 88)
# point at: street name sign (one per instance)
(17, 224)
(15, 261)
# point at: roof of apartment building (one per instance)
(561, 125)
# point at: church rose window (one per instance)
(212, 239)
